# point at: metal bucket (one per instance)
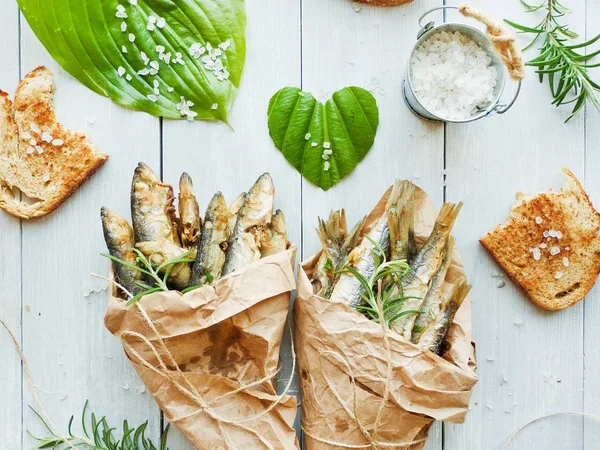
(427, 30)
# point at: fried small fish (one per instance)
(434, 334)
(161, 252)
(120, 242)
(422, 269)
(190, 221)
(274, 238)
(253, 218)
(401, 221)
(152, 211)
(336, 245)
(213, 241)
(348, 289)
(435, 295)
(234, 209)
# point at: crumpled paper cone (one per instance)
(343, 366)
(209, 357)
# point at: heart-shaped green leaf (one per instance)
(171, 58)
(324, 142)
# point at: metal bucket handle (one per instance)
(499, 108)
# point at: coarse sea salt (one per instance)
(452, 76)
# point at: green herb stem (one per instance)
(558, 59)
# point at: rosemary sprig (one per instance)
(98, 435)
(390, 273)
(560, 60)
(144, 266)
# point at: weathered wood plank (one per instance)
(10, 258)
(591, 306)
(72, 356)
(530, 361)
(349, 44)
(218, 158)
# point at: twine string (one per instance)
(372, 438)
(187, 388)
(503, 40)
(34, 388)
(537, 419)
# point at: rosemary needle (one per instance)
(563, 63)
(386, 275)
(98, 435)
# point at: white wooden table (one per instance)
(530, 362)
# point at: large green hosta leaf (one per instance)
(170, 58)
(324, 142)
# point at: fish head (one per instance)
(116, 229)
(258, 207)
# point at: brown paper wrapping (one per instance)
(209, 357)
(343, 366)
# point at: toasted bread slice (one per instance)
(38, 156)
(549, 245)
(385, 2)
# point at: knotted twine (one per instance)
(374, 442)
(504, 41)
(188, 389)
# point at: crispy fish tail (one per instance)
(354, 236)
(401, 222)
(333, 234)
(434, 334)
(347, 288)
